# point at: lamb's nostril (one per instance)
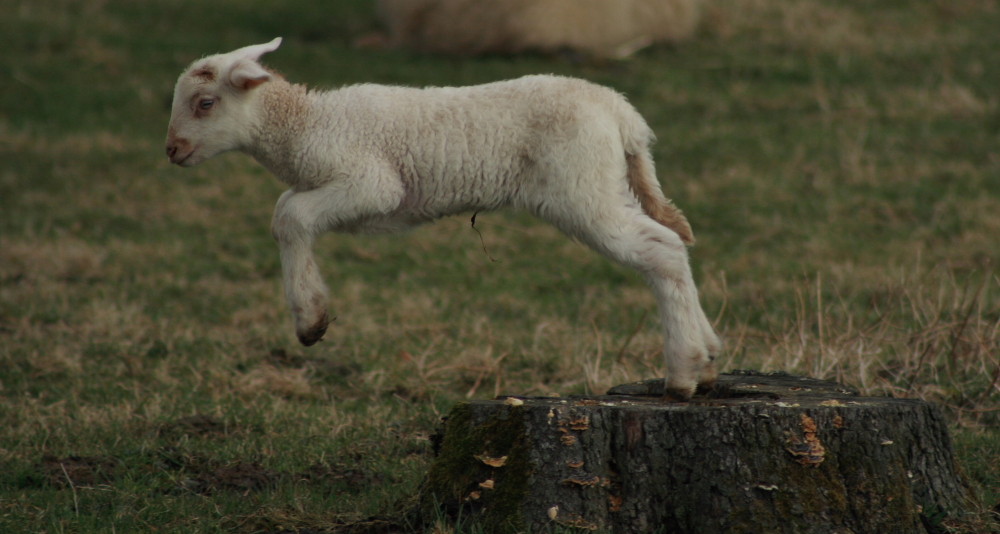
(171, 150)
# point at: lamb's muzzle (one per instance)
(178, 148)
(373, 158)
(175, 153)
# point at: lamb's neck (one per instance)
(277, 141)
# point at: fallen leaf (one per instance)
(491, 461)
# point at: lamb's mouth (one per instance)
(184, 161)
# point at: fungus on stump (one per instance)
(760, 453)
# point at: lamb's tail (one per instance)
(641, 176)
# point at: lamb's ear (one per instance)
(247, 74)
(253, 52)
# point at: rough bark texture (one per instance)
(761, 453)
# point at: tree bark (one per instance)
(760, 453)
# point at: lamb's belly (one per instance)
(444, 188)
(412, 214)
(477, 196)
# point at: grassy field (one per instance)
(839, 161)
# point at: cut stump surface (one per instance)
(759, 453)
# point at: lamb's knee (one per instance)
(636, 241)
(285, 228)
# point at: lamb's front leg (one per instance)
(300, 216)
(294, 228)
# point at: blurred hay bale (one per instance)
(602, 28)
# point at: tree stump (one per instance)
(759, 453)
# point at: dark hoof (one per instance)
(676, 395)
(315, 333)
(706, 387)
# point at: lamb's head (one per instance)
(214, 107)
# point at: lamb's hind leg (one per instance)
(628, 236)
(690, 342)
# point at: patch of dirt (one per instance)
(206, 476)
(197, 473)
(77, 470)
(193, 425)
(324, 369)
(242, 477)
(355, 479)
(202, 475)
(200, 425)
(372, 525)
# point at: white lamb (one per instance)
(372, 158)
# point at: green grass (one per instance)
(839, 162)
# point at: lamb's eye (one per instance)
(206, 104)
